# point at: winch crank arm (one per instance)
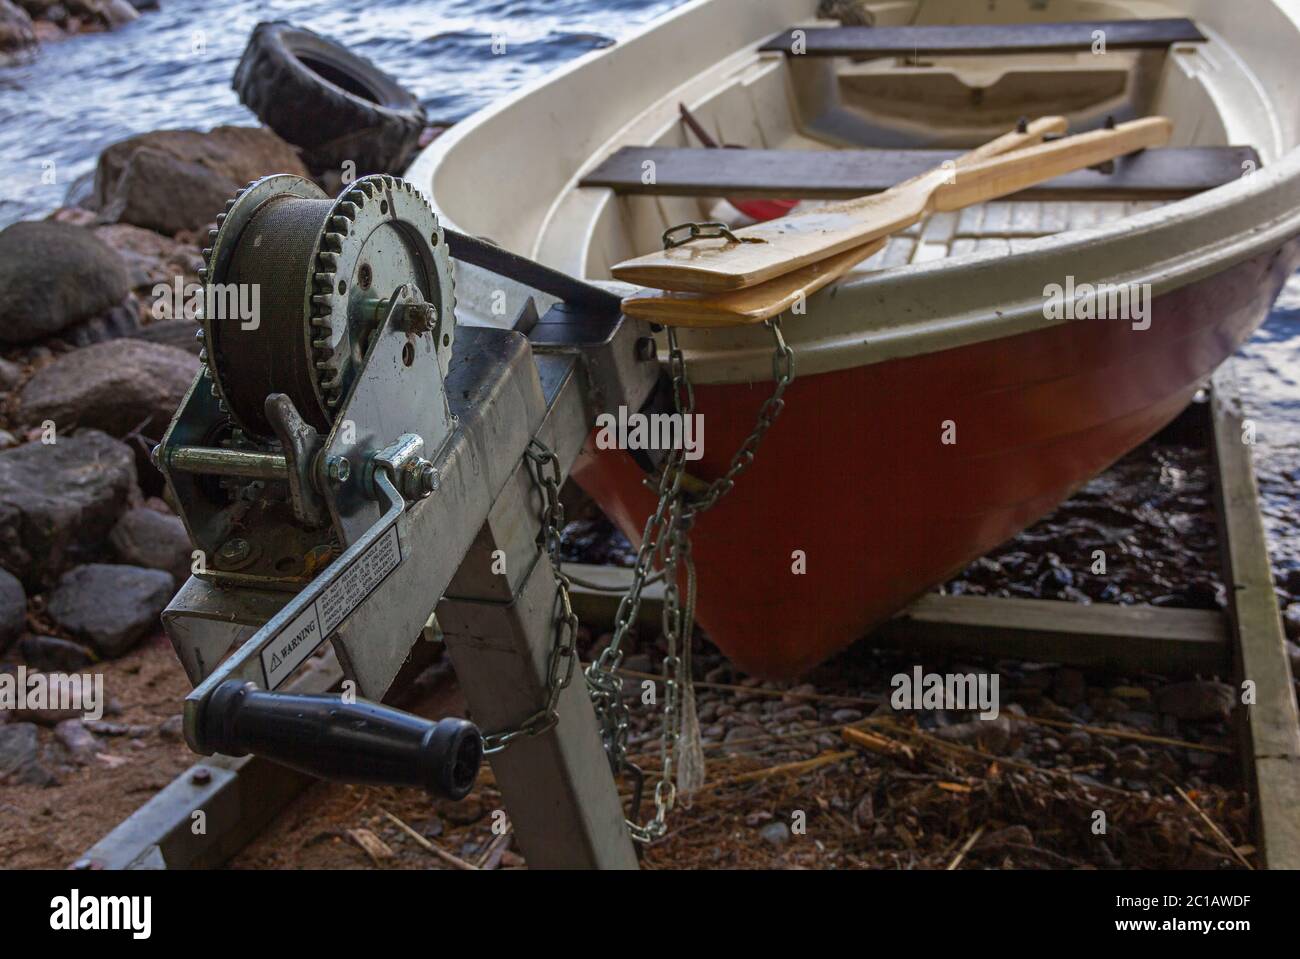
(236, 711)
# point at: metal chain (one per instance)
(667, 535)
(564, 653)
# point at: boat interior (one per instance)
(821, 111)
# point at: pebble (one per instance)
(1197, 700)
(23, 761)
(79, 741)
(172, 728)
(738, 735)
(13, 608)
(845, 716)
(775, 833)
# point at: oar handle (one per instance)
(1009, 173)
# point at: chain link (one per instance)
(564, 653)
(667, 536)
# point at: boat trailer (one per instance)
(353, 461)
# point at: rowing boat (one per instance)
(957, 384)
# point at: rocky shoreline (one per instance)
(24, 24)
(94, 359)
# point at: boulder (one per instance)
(13, 608)
(59, 501)
(180, 334)
(16, 29)
(118, 386)
(52, 654)
(152, 259)
(54, 276)
(154, 540)
(176, 180)
(110, 607)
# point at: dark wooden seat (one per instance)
(985, 38)
(1163, 174)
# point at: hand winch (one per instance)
(342, 474)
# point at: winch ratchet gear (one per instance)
(319, 274)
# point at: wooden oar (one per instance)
(756, 303)
(765, 250)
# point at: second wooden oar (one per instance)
(760, 252)
(757, 303)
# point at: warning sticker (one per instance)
(302, 636)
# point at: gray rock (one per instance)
(16, 30)
(744, 739)
(54, 654)
(13, 608)
(79, 741)
(23, 761)
(776, 833)
(178, 180)
(989, 735)
(116, 387)
(10, 374)
(172, 728)
(152, 259)
(59, 501)
(53, 276)
(111, 607)
(113, 323)
(148, 538)
(180, 334)
(1196, 700)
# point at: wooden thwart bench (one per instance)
(984, 38)
(1162, 174)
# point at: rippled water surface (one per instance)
(172, 68)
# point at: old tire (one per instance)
(335, 106)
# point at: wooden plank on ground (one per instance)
(1122, 638)
(1272, 727)
(1167, 173)
(984, 38)
(1137, 638)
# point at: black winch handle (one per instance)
(357, 742)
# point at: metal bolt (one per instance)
(646, 349)
(419, 478)
(201, 777)
(420, 318)
(234, 551)
(429, 478)
(338, 469)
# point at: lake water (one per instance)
(172, 68)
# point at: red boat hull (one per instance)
(854, 473)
